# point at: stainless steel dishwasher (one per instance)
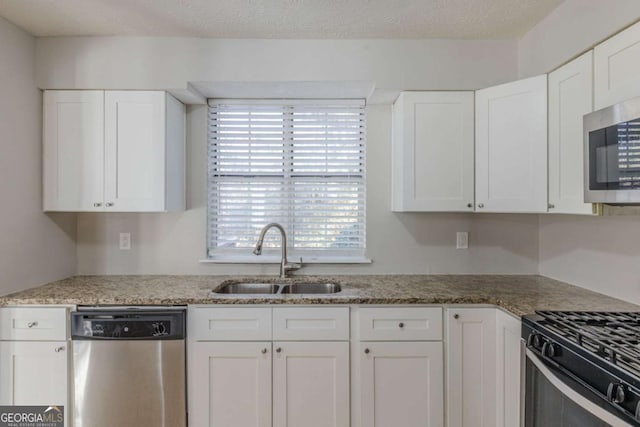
(129, 367)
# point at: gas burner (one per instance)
(611, 336)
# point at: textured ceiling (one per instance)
(316, 19)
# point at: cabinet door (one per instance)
(570, 98)
(508, 370)
(73, 150)
(401, 384)
(511, 147)
(617, 68)
(34, 373)
(471, 373)
(230, 384)
(134, 151)
(311, 384)
(433, 152)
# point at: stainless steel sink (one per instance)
(248, 288)
(311, 288)
(278, 288)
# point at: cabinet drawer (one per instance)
(33, 324)
(311, 323)
(230, 324)
(401, 324)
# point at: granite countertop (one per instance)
(518, 294)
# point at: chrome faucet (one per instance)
(285, 267)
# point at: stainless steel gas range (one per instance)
(582, 369)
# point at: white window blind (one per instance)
(297, 163)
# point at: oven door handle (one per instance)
(580, 400)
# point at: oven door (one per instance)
(553, 399)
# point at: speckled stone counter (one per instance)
(516, 294)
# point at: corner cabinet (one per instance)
(616, 68)
(432, 157)
(484, 358)
(570, 98)
(120, 151)
(511, 147)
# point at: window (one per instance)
(297, 163)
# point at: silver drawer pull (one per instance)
(401, 325)
(109, 204)
(32, 324)
(264, 351)
(97, 205)
(59, 349)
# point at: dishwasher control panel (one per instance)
(127, 325)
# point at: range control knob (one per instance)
(534, 340)
(615, 393)
(550, 349)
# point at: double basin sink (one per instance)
(278, 288)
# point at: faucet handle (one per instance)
(293, 266)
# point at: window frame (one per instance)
(271, 255)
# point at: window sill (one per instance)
(252, 259)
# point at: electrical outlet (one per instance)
(462, 240)
(125, 241)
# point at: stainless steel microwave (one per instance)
(612, 154)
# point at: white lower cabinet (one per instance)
(34, 373)
(311, 384)
(398, 372)
(401, 384)
(283, 383)
(34, 357)
(483, 368)
(231, 383)
(509, 359)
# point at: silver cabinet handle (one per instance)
(97, 205)
(551, 206)
(59, 349)
(469, 205)
(401, 325)
(279, 350)
(32, 324)
(456, 316)
(109, 204)
(264, 351)
(367, 351)
(481, 205)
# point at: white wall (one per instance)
(573, 27)
(398, 243)
(597, 253)
(169, 63)
(34, 248)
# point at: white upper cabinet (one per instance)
(617, 68)
(73, 150)
(570, 98)
(433, 152)
(511, 147)
(119, 151)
